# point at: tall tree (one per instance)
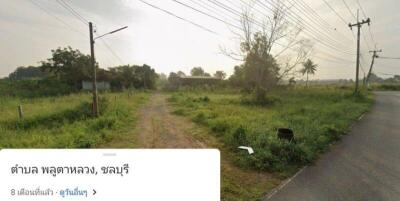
(270, 49)
(68, 65)
(309, 68)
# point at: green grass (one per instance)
(65, 122)
(318, 117)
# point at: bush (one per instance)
(34, 88)
(239, 137)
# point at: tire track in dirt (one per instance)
(158, 128)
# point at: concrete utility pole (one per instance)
(374, 55)
(95, 110)
(359, 25)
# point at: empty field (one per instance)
(318, 117)
(65, 122)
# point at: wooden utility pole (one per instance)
(374, 55)
(359, 25)
(95, 109)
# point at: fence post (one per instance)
(20, 112)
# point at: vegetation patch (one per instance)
(318, 116)
(66, 121)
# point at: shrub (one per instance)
(239, 137)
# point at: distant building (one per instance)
(87, 85)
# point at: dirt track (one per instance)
(158, 128)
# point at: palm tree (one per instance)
(309, 68)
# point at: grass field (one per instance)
(318, 117)
(65, 122)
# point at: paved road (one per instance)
(365, 166)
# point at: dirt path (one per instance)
(157, 127)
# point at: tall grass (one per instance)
(65, 121)
(318, 117)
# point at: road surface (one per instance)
(364, 166)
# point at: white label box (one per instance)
(110, 174)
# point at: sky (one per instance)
(30, 29)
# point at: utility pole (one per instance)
(359, 25)
(95, 109)
(374, 55)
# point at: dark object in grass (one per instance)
(285, 134)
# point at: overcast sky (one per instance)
(29, 31)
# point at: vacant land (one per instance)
(65, 122)
(318, 117)
(193, 119)
(157, 127)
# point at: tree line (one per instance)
(67, 68)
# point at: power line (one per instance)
(348, 9)
(369, 28)
(204, 13)
(73, 12)
(56, 18)
(220, 5)
(181, 18)
(362, 10)
(235, 12)
(380, 57)
(112, 51)
(86, 22)
(317, 17)
(207, 7)
(317, 30)
(306, 31)
(332, 60)
(337, 14)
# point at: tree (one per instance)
(147, 76)
(30, 72)
(197, 71)
(181, 74)
(220, 74)
(237, 78)
(123, 77)
(128, 76)
(173, 80)
(270, 52)
(68, 65)
(162, 81)
(309, 68)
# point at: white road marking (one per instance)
(277, 189)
